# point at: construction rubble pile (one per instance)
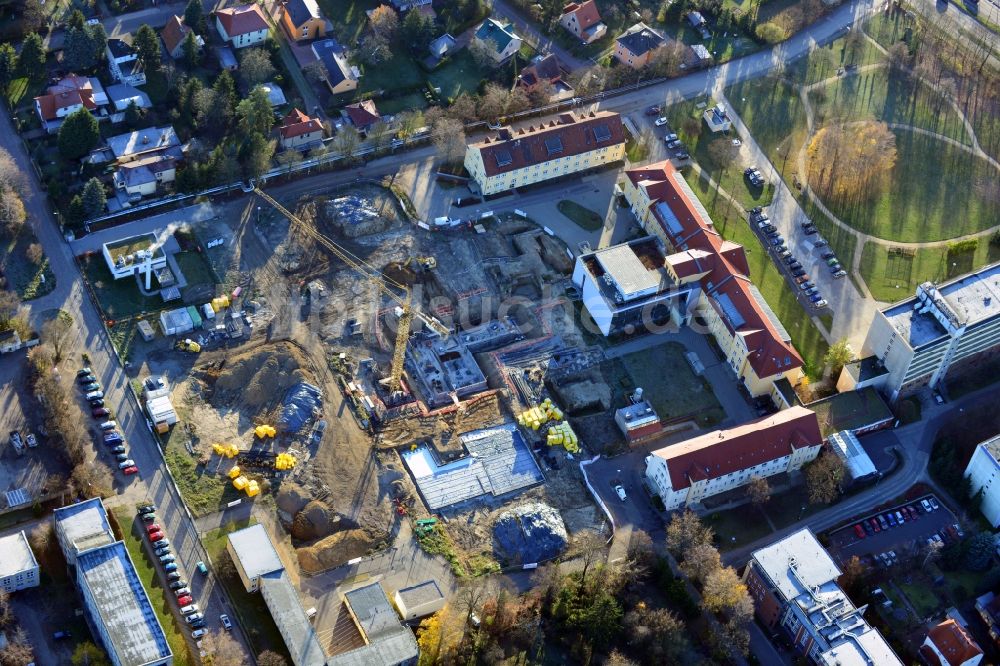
(529, 534)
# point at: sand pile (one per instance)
(334, 550)
(260, 379)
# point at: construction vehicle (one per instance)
(188, 345)
(398, 293)
(426, 263)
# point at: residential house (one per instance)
(362, 114)
(275, 95)
(988, 607)
(698, 22)
(406, 5)
(686, 473)
(242, 26)
(793, 583)
(302, 19)
(542, 70)
(983, 471)
(145, 143)
(532, 154)
(121, 96)
(710, 276)
(18, 566)
(340, 75)
(945, 328)
(144, 177)
(442, 46)
(298, 131)
(123, 63)
(69, 94)
(173, 35)
(500, 39)
(638, 45)
(583, 21)
(949, 644)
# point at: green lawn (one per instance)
(195, 268)
(738, 526)
(672, 387)
(460, 74)
(823, 62)
(203, 491)
(773, 112)
(411, 102)
(118, 298)
(884, 94)
(892, 274)
(159, 597)
(582, 217)
(779, 294)
(957, 196)
(849, 410)
(348, 18)
(24, 277)
(922, 596)
(253, 612)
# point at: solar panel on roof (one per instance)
(668, 217)
(554, 145)
(503, 158)
(602, 132)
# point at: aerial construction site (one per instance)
(401, 371)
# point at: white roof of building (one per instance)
(286, 609)
(160, 408)
(256, 552)
(796, 563)
(84, 524)
(123, 605)
(992, 447)
(847, 446)
(631, 276)
(15, 554)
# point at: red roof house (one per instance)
(949, 644)
(298, 130)
(362, 114)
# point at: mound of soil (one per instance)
(258, 379)
(334, 550)
(316, 521)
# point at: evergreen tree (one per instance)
(193, 15)
(31, 63)
(93, 198)
(8, 64)
(76, 20)
(255, 113)
(78, 134)
(133, 115)
(192, 54)
(78, 50)
(147, 46)
(225, 89)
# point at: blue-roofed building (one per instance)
(115, 602)
(501, 40)
(340, 75)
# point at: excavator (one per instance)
(396, 292)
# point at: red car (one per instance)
(155, 536)
(100, 412)
(153, 528)
(860, 531)
(874, 523)
(185, 600)
(913, 512)
(128, 471)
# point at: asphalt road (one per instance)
(152, 483)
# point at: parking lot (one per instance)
(901, 539)
(801, 254)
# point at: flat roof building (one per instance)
(387, 642)
(18, 566)
(638, 419)
(115, 602)
(983, 471)
(419, 600)
(918, 340)
(793, 583)
(254, 555)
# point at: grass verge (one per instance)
(159, 597)
(672, 387)
(202, 489)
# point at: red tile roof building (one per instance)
(949, 644)
(583, 21)
(756, 345)
(362, 114)
(298, 130)
(69, 94)
(531, 154)
(173, 35)
(242, 26)
(688, 472)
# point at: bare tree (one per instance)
(449, 139)
(482, 53)
(223, 648)
(56, 333)
(700, 560)
(11, 176)
(685, 530)
(346, 141)
(6, 613)
(34, 253)
(269, 658)
(758, 490)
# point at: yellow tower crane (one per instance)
(399, 293)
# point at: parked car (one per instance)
(86, 379)
(804, 283)
(166, 559)
(653, 111)
(153, 528)
(661, 121)
(900, 517)
(754, 175)
(108, 425)
(875, 524)
(160, 552)
(883, 523)
(827, 254)
(620, 492)
(819, 242)
(839, 274)
(926, 506)
(160, 543)
(189, 608)
(798, 272)
(97, 402)
(126, 463)
(178, 584)
(129, 471)
(821, 304)
(777, 240)
(671, 136)
(891, 518)
(795, 265)
(202, 569)
(194, 617)
(673, 143)
(809, 231)
(860, 531)
(869, 530)
(226, 624)
(118, 448)
(771, 232)
(121, 457)
(173, 575)
(785, 253)
(198, 633)
(100, 413)
(148, 517)
(84, 371)
(682, 154)
(934, 503)
(169, 568)
(914, 514)
(197, 624)
(815, 298)
(767, 227)
(92, 385)
(182, 592)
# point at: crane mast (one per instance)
(385, 285)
